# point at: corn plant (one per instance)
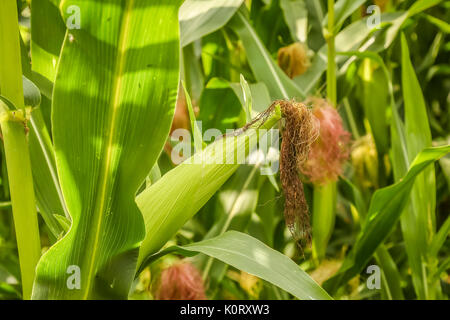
(312, 161)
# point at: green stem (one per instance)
(331, 69)
(324, 203)
(16, 148)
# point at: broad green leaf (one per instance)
(180, 193)
(417, 129)
(260, 60)
(50, 199)
(252, 256)
(296, 17)
(201, 17)
(385, 209)
(219, 107)
(377, 119)
(47, 35)
(112, 107)
(222, 103)
(391, 287)
(47, 190)
(418, 221)
(315, 11)
(374, 97)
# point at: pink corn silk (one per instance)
(181, 281)
(331, 149)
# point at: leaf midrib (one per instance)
(100, 204)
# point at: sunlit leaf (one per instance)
(111, 114)
(199, 17)
(252, 256)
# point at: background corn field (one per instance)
(94, 92)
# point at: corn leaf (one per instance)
(50, 199)
(180, 193)
(421, 209)
(260, 60)
(315, 11)
(391, 288)
(375, 99)
(199, 18)
(296, 17)
(385, 209)
(111, 113)
(219, 107)
(252, 256)
(47, 35)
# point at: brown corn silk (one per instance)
(299, 133)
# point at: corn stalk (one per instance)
(13, 124)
